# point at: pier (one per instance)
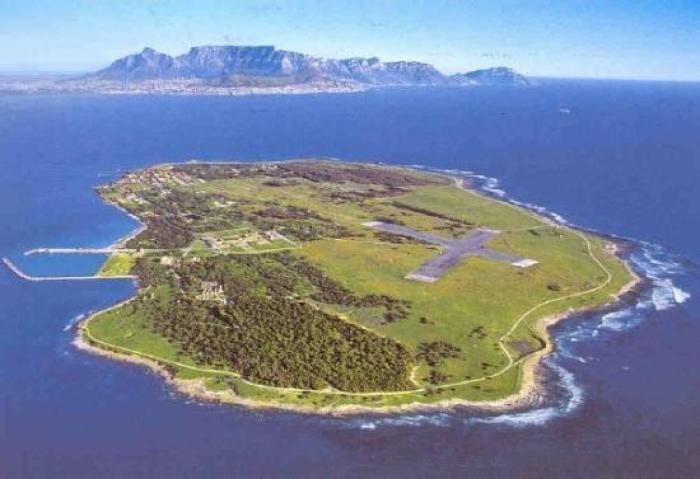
(69, 251)
(22, 275)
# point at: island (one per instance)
(334, 287)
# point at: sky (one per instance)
(630, 39)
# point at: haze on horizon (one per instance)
(628, 39)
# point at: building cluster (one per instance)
(157, 178)
(247, 241)
(212, 291)
(256, 238)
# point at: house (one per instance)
(212, 291)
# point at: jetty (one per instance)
(69, 251)
(22, 275)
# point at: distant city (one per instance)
(241, 70)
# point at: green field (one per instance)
(333, 284)
(118, 264)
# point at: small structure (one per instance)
(212, 243)
(273, 235)
(212, 291)
(524, 263)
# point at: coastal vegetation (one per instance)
(264, 281)
(118, 264)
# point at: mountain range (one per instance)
(267, 66)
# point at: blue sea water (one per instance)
(60, 264)
(619, 157)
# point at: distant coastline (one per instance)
(254, 70)
(39, 85)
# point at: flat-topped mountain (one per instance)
(268, 66)
(245, 70)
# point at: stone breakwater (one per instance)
(22, 275)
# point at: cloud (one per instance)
(496, 55)
(232, 39)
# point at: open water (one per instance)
(619, 157)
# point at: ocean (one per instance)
(617, 157)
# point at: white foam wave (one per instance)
(620, 320)
(572, 396)
(492, 186)
(70, 324)
(680, 296)
(660, 267)
(662, 295)
(572, 399)
(570, 355)
(535, 417)
(654, 262)
(412, 420)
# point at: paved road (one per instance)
(472, 244)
